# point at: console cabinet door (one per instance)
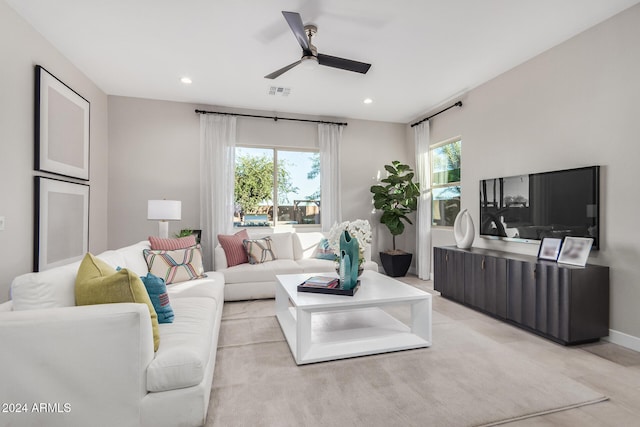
(538, 297)
(439, 270)
(448, 273)
(485, 284)
(520, 292)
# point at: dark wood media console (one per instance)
(567, 304)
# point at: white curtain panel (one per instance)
(329, 139)
(423, 226)
(217, 172)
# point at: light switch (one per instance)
(1, 223)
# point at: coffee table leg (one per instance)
(303, 334)
(282, 302)
(421, 319)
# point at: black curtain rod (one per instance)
(275, 118)
(457, 104)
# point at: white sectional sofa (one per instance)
(94, 365)
(295, 253)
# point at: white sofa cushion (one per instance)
(260, 272)
(183, 355)
(45, 289)
(282, 244)
(197, 288)
(134, 259)
(305, 245)
(113, 258)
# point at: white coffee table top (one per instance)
(375, 288)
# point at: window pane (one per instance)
(296, 192)
(253, 187)
(298, 187)
(445, 205)
(445, 163)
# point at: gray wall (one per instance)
(154, 153)
(21, 48)
(574, 105)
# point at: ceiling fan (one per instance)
(303, 34)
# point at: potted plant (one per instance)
(396, 199)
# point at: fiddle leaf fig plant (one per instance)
(397, 198)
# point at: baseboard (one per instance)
(625, 340)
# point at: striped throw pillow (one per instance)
(160, 244)
(175, 266)
(259, 250)
(233, 247)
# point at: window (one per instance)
(445, 182)
(276, 186)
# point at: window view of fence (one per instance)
(276, 186)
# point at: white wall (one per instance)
(367, 147)
(21, 48)
(154, 149)
(574, 105)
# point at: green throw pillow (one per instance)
(99, 283)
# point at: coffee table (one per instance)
(321, 327)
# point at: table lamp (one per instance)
(164, 211)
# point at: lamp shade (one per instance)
(164, 210)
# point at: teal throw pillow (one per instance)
(324, 251)
(157, 290)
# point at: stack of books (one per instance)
(325, 282)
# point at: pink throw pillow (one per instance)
(234, 248)
(160, 244)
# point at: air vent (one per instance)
(279, 91)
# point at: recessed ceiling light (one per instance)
(368, 100)
(186, 80)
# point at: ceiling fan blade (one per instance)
(295, 22)
(343, 64)
(282, 70)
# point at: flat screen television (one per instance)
(549, 204)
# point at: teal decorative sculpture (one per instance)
(349, 260)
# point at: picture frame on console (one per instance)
(61, 128)
(61, 226)
(575, 250)
(550, 248)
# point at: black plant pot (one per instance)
(396, 265)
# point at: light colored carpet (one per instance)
(464, 379)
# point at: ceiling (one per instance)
(423, 52)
